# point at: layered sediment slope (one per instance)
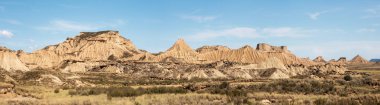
(89, 46)
(9, 61)
(108, 51)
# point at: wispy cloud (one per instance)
(366, 30)
(6, 33)
(372, 13)
(11, 21)
(63, 25)
(315, 15)
(199, 18)
(248, 32)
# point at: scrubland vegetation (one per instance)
(115, 89)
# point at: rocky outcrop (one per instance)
(269, 48)
(181, 51)
(358, 60)
(342, 60)
(10, 62)
(247, 54)
(89, 46)
(206, 49)
(108, 51)
(319, 59)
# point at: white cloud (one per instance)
(366, 30)
(199, 18)
(315, 15)
(286, 32)
(63, 25)
(6, 33)
(11, 21)
(372, 13)
(248, 32)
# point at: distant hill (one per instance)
(375, 60)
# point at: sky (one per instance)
(310, 28)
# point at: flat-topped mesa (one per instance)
(268, 48)
(84, 35)
(358, 59)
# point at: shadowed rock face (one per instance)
(108, 51)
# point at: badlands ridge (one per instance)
(108, 51)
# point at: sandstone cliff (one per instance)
(247, 54)
(93, 46)
(9, 61)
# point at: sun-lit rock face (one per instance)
(10, 62)
(181, 51)
(247, 54)
(108, 51)
(92, 46)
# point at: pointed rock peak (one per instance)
(319, 59)
(359, 59)
(246, 47)
(180, 44)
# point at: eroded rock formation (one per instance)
(10, 62)
(108, 51)
(359, 60)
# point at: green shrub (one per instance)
(296, 86)
(56, 91)
(32, 75)
(347, 78)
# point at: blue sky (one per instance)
(309, 28)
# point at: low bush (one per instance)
(126, 91)
(296, 86)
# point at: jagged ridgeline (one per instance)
(99, 51)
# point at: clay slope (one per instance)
(89, 46)
(358, 60)
(181, 51)
(9, 61)
(247, 54)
